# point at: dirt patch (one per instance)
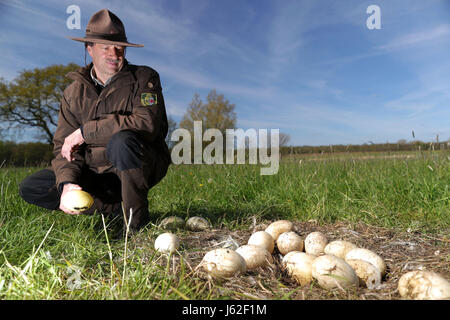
(402, 252)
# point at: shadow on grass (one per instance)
(219, 216)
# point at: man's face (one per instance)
(107, 59)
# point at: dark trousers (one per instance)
(136, 169)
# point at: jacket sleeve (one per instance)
(148, 116)
(66, 171)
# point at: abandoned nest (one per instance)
(402, 252)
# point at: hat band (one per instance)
(104, 36)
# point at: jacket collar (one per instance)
(84, 74)
(98, 82)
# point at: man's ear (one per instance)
(89, 49)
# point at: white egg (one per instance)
(278, 227)
(315, 243)
(369, 256)
(289, 241)
(262, 239)
(223, 263)
(299, 266)
(197, 224)
(332, 272)
(339, 248)
(369, 275)
(172, 223)
(424, 285)
(167, 242)
(254, 256)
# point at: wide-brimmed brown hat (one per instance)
(105, 27)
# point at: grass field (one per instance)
(397, 206)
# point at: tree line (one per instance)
(25, 154)
(372, 147)
(41, 154)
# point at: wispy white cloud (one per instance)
(441, 32)
(174, 108)
(33, 14)
(197, 80)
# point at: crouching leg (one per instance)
(139, 168)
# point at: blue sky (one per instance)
(310, 68)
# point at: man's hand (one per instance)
(71, 143)
(67, 188)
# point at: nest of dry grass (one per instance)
(402, 252)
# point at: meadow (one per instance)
(397, 205)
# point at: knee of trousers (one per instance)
(40, 189)
(25, 189)
(125, 150)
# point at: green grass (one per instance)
(42, 251)
(397, 193)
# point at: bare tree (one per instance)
(284, 139)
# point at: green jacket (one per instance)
(132, 100)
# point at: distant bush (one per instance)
(25, 154)
(381, 147)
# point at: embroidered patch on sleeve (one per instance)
(149, 99)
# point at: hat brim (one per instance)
(117, 43)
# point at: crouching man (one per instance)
(110, 138)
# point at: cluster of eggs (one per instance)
(335, 264)
(332, 264)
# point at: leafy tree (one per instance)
(216, 113)
(33, 98)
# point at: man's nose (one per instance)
(115, 52)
